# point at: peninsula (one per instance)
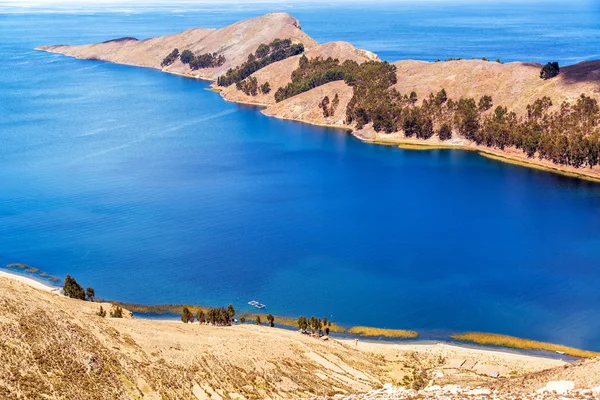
(510, 111)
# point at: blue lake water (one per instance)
(152, 189)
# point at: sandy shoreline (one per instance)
(364, 343)
(515, 158)
(31, 282)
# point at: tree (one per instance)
(549, 70)
(263, 50)
(466, 118)
(102, 313)
(445, 132)
(302, 323)
(265, 88)
(207, 60)
(230, 311)
(73, 289)
(170, 59)
(90, 294)
(248, 86)
(275, 51)
(257, 320)
(271, 320)
(200, 316)
(441, 97)
(303, 61)
(324, 105)
(186, 56)
(413, 97)
(186, 315)
(334, 104)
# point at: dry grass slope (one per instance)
(56, 347)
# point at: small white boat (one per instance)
(256, 304)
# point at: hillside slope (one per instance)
(513, 85)
(56, 347)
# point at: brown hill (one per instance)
(235, 42)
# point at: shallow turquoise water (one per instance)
(152, 189)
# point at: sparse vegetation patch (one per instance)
(390, 333)
(518, 343)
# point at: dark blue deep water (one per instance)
(152, 189)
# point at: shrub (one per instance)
(116, 312)
(90, 294)
(271, 320)
(102, 313)
(257, 320)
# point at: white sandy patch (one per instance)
(31, 282)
